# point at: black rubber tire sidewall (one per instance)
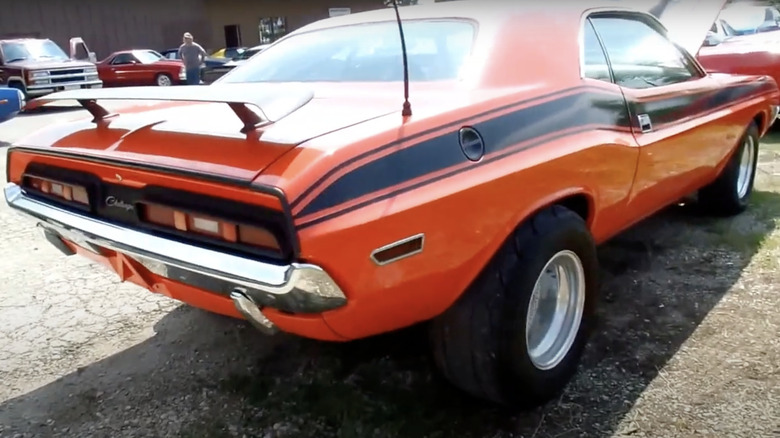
(517, 365)
(751, 131)
(720, 198)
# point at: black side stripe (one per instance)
(438, 178)
(669, 111)
(456, 124)
(580, 112)
(442, 152)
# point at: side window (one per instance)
(594, 61)
(122, 58)
(640, 56)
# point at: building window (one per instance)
(272, 28)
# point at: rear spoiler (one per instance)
(272, 101)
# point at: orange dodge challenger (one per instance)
(304, 193)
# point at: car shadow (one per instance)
(659, 282)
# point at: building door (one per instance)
(232, 35)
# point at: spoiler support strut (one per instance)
(273, 101)
(98, 112)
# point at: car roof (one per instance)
(22, 40)
(484, 11)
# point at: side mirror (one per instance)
(92, 57)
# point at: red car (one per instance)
(694, 25)
(140, 67)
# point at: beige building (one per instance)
(107, 26)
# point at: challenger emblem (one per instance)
(112, 201)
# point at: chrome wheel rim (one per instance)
(747, 161)
(555, 310)
(163, 81)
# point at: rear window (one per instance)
(363, 53)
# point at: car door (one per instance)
(669, 98)
(124, 68)
(616, 173)
(80, 51)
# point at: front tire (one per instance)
(729, 194)
(498, 341)
(163, 80)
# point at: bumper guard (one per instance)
(251, 284)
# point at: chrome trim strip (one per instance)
(420, 236)
(298, 288)
(63, 84)
(65, 76)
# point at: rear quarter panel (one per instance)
(561, 143)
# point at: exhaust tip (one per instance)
(252, 312)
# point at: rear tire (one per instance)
(730, 193)
(484, 343)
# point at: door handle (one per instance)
(644, 123)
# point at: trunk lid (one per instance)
(206, 136)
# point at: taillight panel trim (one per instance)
(277, 222)
(268, 190)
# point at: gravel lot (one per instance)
(687, 346)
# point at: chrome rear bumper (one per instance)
(296, 288)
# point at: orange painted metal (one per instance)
(466, 209)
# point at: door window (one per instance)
(594, 61)
(123, 58)
(640, 56)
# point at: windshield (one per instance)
(246, 54)
(366, 52)
(147, 56)
(746, 19)
(32, 50)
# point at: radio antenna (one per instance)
(407, 109)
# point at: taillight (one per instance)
(209, 226)
(66, 191)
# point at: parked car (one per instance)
(215, 73)
(11, 102)
(38, 66)
(209, 64)
(746, 18)
(306, 191)
(228, 52)
(750, 54)
(140, 67)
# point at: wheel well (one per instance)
(579, 204)
(759, 119)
